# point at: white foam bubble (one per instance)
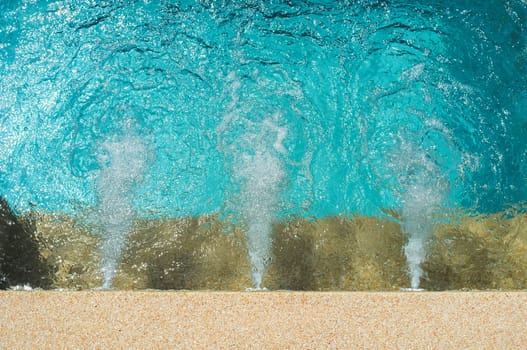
(261, 175)
(423, 190)
(122, 165)
(259, 172)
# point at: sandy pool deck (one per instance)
(262, 320)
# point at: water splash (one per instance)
(420, 205)
(261, 174)
(423, 190)
(251, 138)
(122, 164)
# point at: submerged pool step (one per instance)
(205, 253)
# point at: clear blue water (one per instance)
(319, 108)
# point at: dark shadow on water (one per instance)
(20, 260)
(293, 259)
(175, 273)
(486, 252)
(337, 253)
(468, 264)
(185, 253)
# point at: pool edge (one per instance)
(283, 319)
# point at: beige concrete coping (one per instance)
(262, 320)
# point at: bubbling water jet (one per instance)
(419, 207)
(422, 193)
(261, 174)
(122, 164)
(252, 139)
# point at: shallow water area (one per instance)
(332, 254)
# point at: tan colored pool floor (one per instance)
(262, 320)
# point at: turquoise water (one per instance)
(262, 107)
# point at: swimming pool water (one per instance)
(311, 108)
